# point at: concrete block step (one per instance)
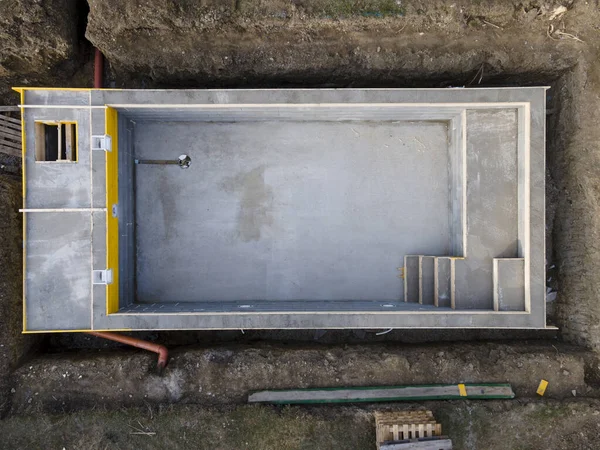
(426, 280)
(443, 282)
(509, 284)
(411, 278)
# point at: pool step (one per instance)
(428, 280)
(509, 284)
(411, 278)
(443, 281)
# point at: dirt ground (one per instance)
(13, 345)
(225, 374)
(69, 391)
(568, 425)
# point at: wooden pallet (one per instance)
(10, 135)
(405, 425)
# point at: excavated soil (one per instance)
(13, 345)
(493, 425)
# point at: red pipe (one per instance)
(98, 70)
(163, 352)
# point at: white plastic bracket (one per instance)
(102, 142)
(102, 276)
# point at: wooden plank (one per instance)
(382, 394)
(69, 141)
(40, 142)
(10, 151)
(12, 126)
(391, 417)
(433, 444)
(10, 119)
(379, 434)
(9, 133)
(59, 143)
(12, 144)
(7, 124)
(405, 420)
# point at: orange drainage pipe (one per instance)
(98, 70)
(163, 352)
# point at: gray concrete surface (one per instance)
(492, 204)
(287, 211)
(509, 284)
(57, 283)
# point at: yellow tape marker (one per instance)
(542, 387)
(462, 390)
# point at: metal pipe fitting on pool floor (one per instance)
(163, 352)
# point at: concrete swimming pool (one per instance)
(307, 208)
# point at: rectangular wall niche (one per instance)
(56, 142)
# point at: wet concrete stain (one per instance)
(167, 203)
(256, 202)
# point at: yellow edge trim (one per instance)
(23, 182)
(61, 122)
(112, 223)
(76, 331)
(21, 89)
(462, 390)
(38, 88)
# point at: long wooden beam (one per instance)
(384, 394)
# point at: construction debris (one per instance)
(558, 12)
(420, 444)
(541, 390)
(409, 430)
(10, 132)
